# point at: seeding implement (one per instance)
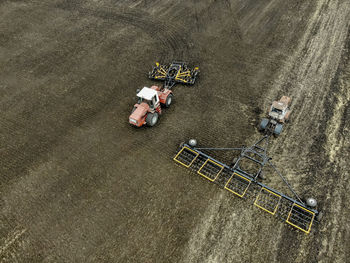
(148, 108)
(176, 72)
(247, 183)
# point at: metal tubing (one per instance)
(280, 175)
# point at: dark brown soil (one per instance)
(79, 184)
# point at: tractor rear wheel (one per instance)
(278, 129)
(263, 124)
(152, 119)
(168, 100)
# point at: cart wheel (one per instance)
(152, 119)
(311, 202)
(168, 100)
(192, 142)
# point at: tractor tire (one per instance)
(152, 119)
(263, 124)
(278, 129)
(168, 100)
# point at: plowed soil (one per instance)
(79, 184)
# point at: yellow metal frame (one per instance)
(240, 195)
(312, 220)
(162, 70)
(182, 74)
(263, 208)
(181, 152)
(209, 160)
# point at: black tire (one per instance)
(263, 124)
(133, 109)
(278, 129)
(152, 119)
(168, 100)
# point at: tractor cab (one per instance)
(278, 114)
(278, 110)
(149, 96)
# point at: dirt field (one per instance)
(79, 184)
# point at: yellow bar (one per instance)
(313, 215)
(178, 72)
(161, 68)
(263, 208)
(181, 79)
(240, 195)
(181, 152)
(209, 160)
(186, 73)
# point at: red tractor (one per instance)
(148, 107)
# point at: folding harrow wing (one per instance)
(246, 185)
(176, 72)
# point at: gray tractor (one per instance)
(278, 114)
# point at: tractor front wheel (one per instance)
(152, 119)
(168, 100)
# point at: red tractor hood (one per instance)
(140, 111)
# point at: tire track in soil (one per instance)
(22, 157)
(335, 178)
(307, 79)
(306, 75)
(174, 40)
(10, 244)
(168, 35)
